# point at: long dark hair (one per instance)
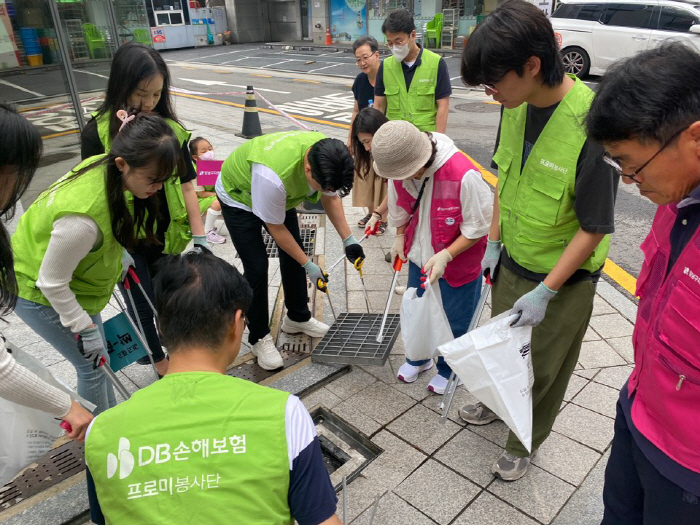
(133, 63)
(146, 140)
(369, 120)
(20, 152)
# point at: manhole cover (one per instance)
(478, 107)
(53, 158)
(352, 340)
(345, 450)
(308, 241)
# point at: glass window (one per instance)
(628, 15)
(674, 19)
(590, 12)
(564, 11)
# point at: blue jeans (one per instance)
(93, 384)
(459, 304)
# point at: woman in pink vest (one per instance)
(441, 208)
(647, 116)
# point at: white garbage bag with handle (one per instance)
(424, 324)
(494, 363)
(27, 433)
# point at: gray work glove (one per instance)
(315, 273)
(532, 306)
(93, 346)
(127, 262)
(201, 240)
(491, 257)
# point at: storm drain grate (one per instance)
(53, 467)
(308, 241)
(345, 450)
(352, 340)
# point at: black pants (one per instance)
(146, 267)
(635, 493)
(246, 233)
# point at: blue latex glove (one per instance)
(127, 262)
(532, 306)
(491, 257)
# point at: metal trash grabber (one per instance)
(397, 270)
(454, 381)
(139, 332)
(106, 370)
(336, 263)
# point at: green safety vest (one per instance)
(418, 104)
(536, 204)
(94, 278)
(283, 153)
(178, 233)
(216, 453)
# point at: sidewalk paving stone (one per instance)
(585, 507)
(380, 402)
(394, 510)
(437, 491)
(576, 384)
(612, 325)
(361, 421)
(598, 398)
(623, 346)
(489, 510)
(321, 397)
(599, 354)
(496, 432)
(394, 465)
(351, 383)
(471, 455)
(462, 397)
(422, 429)
(585, 426)
(538, 493)
(601, 306)
(614, 377)
(566, 458)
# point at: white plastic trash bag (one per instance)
(494, 363)
(27, 433)
(424, 324)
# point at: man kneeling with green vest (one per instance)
(221, 449)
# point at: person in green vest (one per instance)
(20, 153)
(222, 449)
(261, 184)
(413, 84)
(201, 149)
(553, 207)
(139, 78)
(70, 245)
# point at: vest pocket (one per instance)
(679, 323)
(446, 226)
(425, 100)
(544, 199)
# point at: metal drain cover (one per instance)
(308, 241)
(352, 340)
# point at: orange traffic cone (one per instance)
(328, 37)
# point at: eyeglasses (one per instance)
(610, 161)
(365, 59)
(490, 87)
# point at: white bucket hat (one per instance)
(399, 150)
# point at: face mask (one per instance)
(208, 155)
(400, 52)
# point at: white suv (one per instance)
(594, 34)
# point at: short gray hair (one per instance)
(365, 40)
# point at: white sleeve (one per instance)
(299, 428)
(268, 194)
(22, 386)
(72, 238)
(477, 206)
(397, 215)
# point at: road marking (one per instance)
(90, 73)
(455, 78)
(282, 62)
(221, 83)
(326, 67)
(62, 134)
(304, 80)
(257, 75)
(613, 270)
(218, 54)
(20, 88)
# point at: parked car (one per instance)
(594, 34)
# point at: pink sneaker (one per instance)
(215, 238)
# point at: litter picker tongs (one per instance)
(454, 381)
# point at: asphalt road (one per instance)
(315, 85)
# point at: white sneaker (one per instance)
(438, 384)
(215, 238)
(268, 356)
(313, 327)
(409, 373)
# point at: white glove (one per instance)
(373, 224)
(397, 248)
(435, 267)
(127, 262)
